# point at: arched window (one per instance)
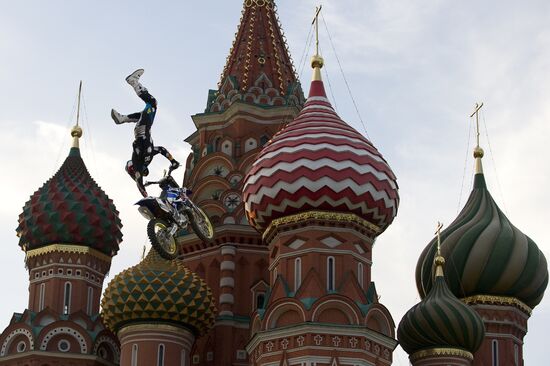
(41, 296)
(90, 302)
(297, 273)
(134, 355)
(495, 352)
(331, 273)
(260, 300)
(160, 359)
(360, 274)
(67, 298)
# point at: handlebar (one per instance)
(147, 184)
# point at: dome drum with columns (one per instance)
(69, 230)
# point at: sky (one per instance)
(415, 70)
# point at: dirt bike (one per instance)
(171, 212)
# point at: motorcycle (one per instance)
(171, 212)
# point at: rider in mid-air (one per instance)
(143, 149)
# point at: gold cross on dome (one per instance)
(316, 22)
(476, 113)
(438, 233)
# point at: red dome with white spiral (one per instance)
(319, 162)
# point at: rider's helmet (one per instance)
(130, 169)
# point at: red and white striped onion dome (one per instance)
(320, 163)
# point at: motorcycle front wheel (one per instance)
(161, 240)
(201, 224)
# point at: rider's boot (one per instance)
(133, 80)
(174, 164)
(120, 118)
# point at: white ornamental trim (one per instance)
(227, 299)
(12, 335)
(227, 266)
(227, 282)
(228, 249)
(68, 331)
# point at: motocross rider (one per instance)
(143, 149)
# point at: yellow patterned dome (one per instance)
(161, 291)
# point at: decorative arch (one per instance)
(46, 317)
(286, 310)
(14, 334)
(67, 331)
(250, 144)
(379, 320)
(201, 169)
(227, 147)
(339, 308)
(109, 342)
(246, 161)
(210, 188)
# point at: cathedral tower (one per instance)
(320, 193)
(441, 329)
(493, 267)
(69, 230)
(257, 95)
(157, 308)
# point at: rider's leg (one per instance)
(121, 118)
(141, 91)
(141, 187)
(174, 164)
(137, 177)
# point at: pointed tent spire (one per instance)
(260, 47)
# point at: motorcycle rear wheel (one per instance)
(201, 224)
(161, 240)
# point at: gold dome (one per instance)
(158, 290)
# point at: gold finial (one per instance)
(478, 151)
(439, 260)
(317, 61)
(76, 131)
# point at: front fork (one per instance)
(173, 229)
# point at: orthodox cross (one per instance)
(476, 113)
(78, 110)
(438, 233)
(316, 23)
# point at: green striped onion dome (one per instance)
(440, 320)
(486, 254)
(70, 208)
(160, 291)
